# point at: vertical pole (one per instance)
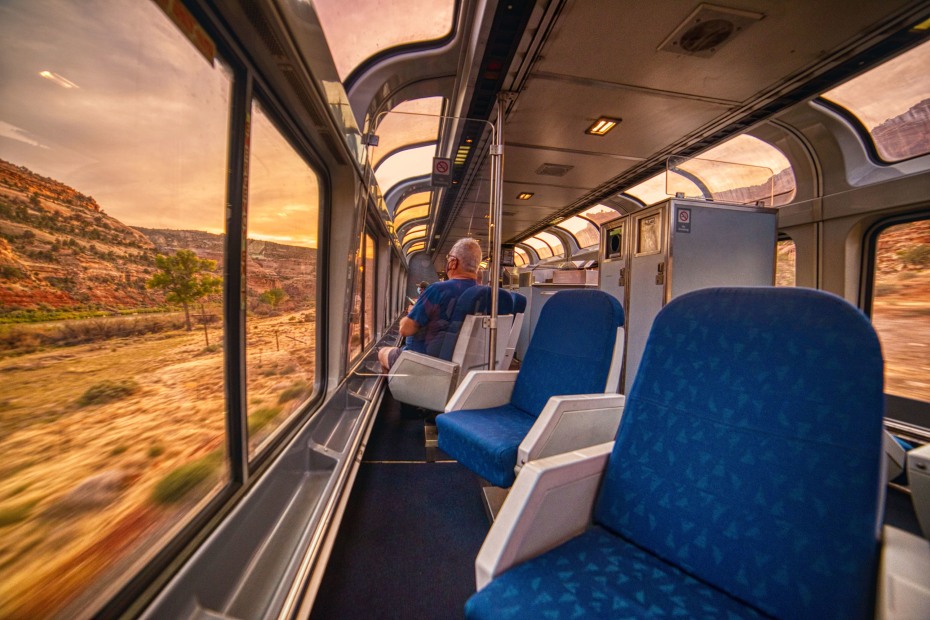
(497, 198)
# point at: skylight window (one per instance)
(410, 123)
(584, 232)
(892, 101)
(407, 164)
(360, 29)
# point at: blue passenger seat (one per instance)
(571, 352)
(744, 482)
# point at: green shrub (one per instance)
(182, 480)
(916, 256)
(259, 418)
(156, 450)
(108, 391)
(295, 391)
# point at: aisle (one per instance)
(412, 529)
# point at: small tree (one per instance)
(273, 297)
(185, 278)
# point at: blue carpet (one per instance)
(407, 544)
(398, 434)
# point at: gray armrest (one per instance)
(422, 381)
(904, 576)
(482, 389)
(550, 502)
(571, 423)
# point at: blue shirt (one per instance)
(432, 313)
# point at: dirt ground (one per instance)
(77, 482)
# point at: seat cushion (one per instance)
(485, 440)
(599, 575)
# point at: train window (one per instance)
(360, 29)
(406, 164)
(901, 307)
(785, 262)
(542, 248)
(520, 257)
(371, 276)
(734, 171)
(412, 122)
(585, 233)
(283, 216)
(414, 233)
(112, 410)
(413, 207)
(892, 101)
(552, 241)
(355, 317)
(416, 247)
(649, 191)
(600, 214)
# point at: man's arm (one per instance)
(408, 326)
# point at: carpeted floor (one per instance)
(412, 529)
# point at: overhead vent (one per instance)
(553, 170)
(708, 29)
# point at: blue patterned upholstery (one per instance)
(519, 302)
(492, 453)
(749, 456)
(600, 575)
(570, 353)
(475, 300)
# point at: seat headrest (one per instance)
(519, 302)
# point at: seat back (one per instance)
(749, 453)
(571, 349)
(519, 302)
(474, 301)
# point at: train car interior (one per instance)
(215, 213)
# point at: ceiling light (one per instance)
(524, 195)
(602, 126)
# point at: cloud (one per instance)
(16, 133)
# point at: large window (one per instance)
(113, 141)
(892, 102)
(281, 276)
(901, 307)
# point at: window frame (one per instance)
(906, 413)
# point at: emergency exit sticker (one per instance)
(683, 221)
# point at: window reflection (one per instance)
(112, 413)
(280, 278)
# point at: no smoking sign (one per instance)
(683, 225)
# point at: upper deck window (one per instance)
(520, 257)
(417, 232)
(600, 214)
(416, 247)
(545, 244)
(743, 170)
(360, 29)
(406, 164)
(413, 207)
(410, 123)
(892, 101)
(584, 232)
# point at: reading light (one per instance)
(602, 126)
(524, 195)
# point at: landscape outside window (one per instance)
(113, 145)
(785, 263)
(284, 197)
(901, 308)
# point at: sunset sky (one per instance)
(111, 99)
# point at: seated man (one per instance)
(426, 323)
